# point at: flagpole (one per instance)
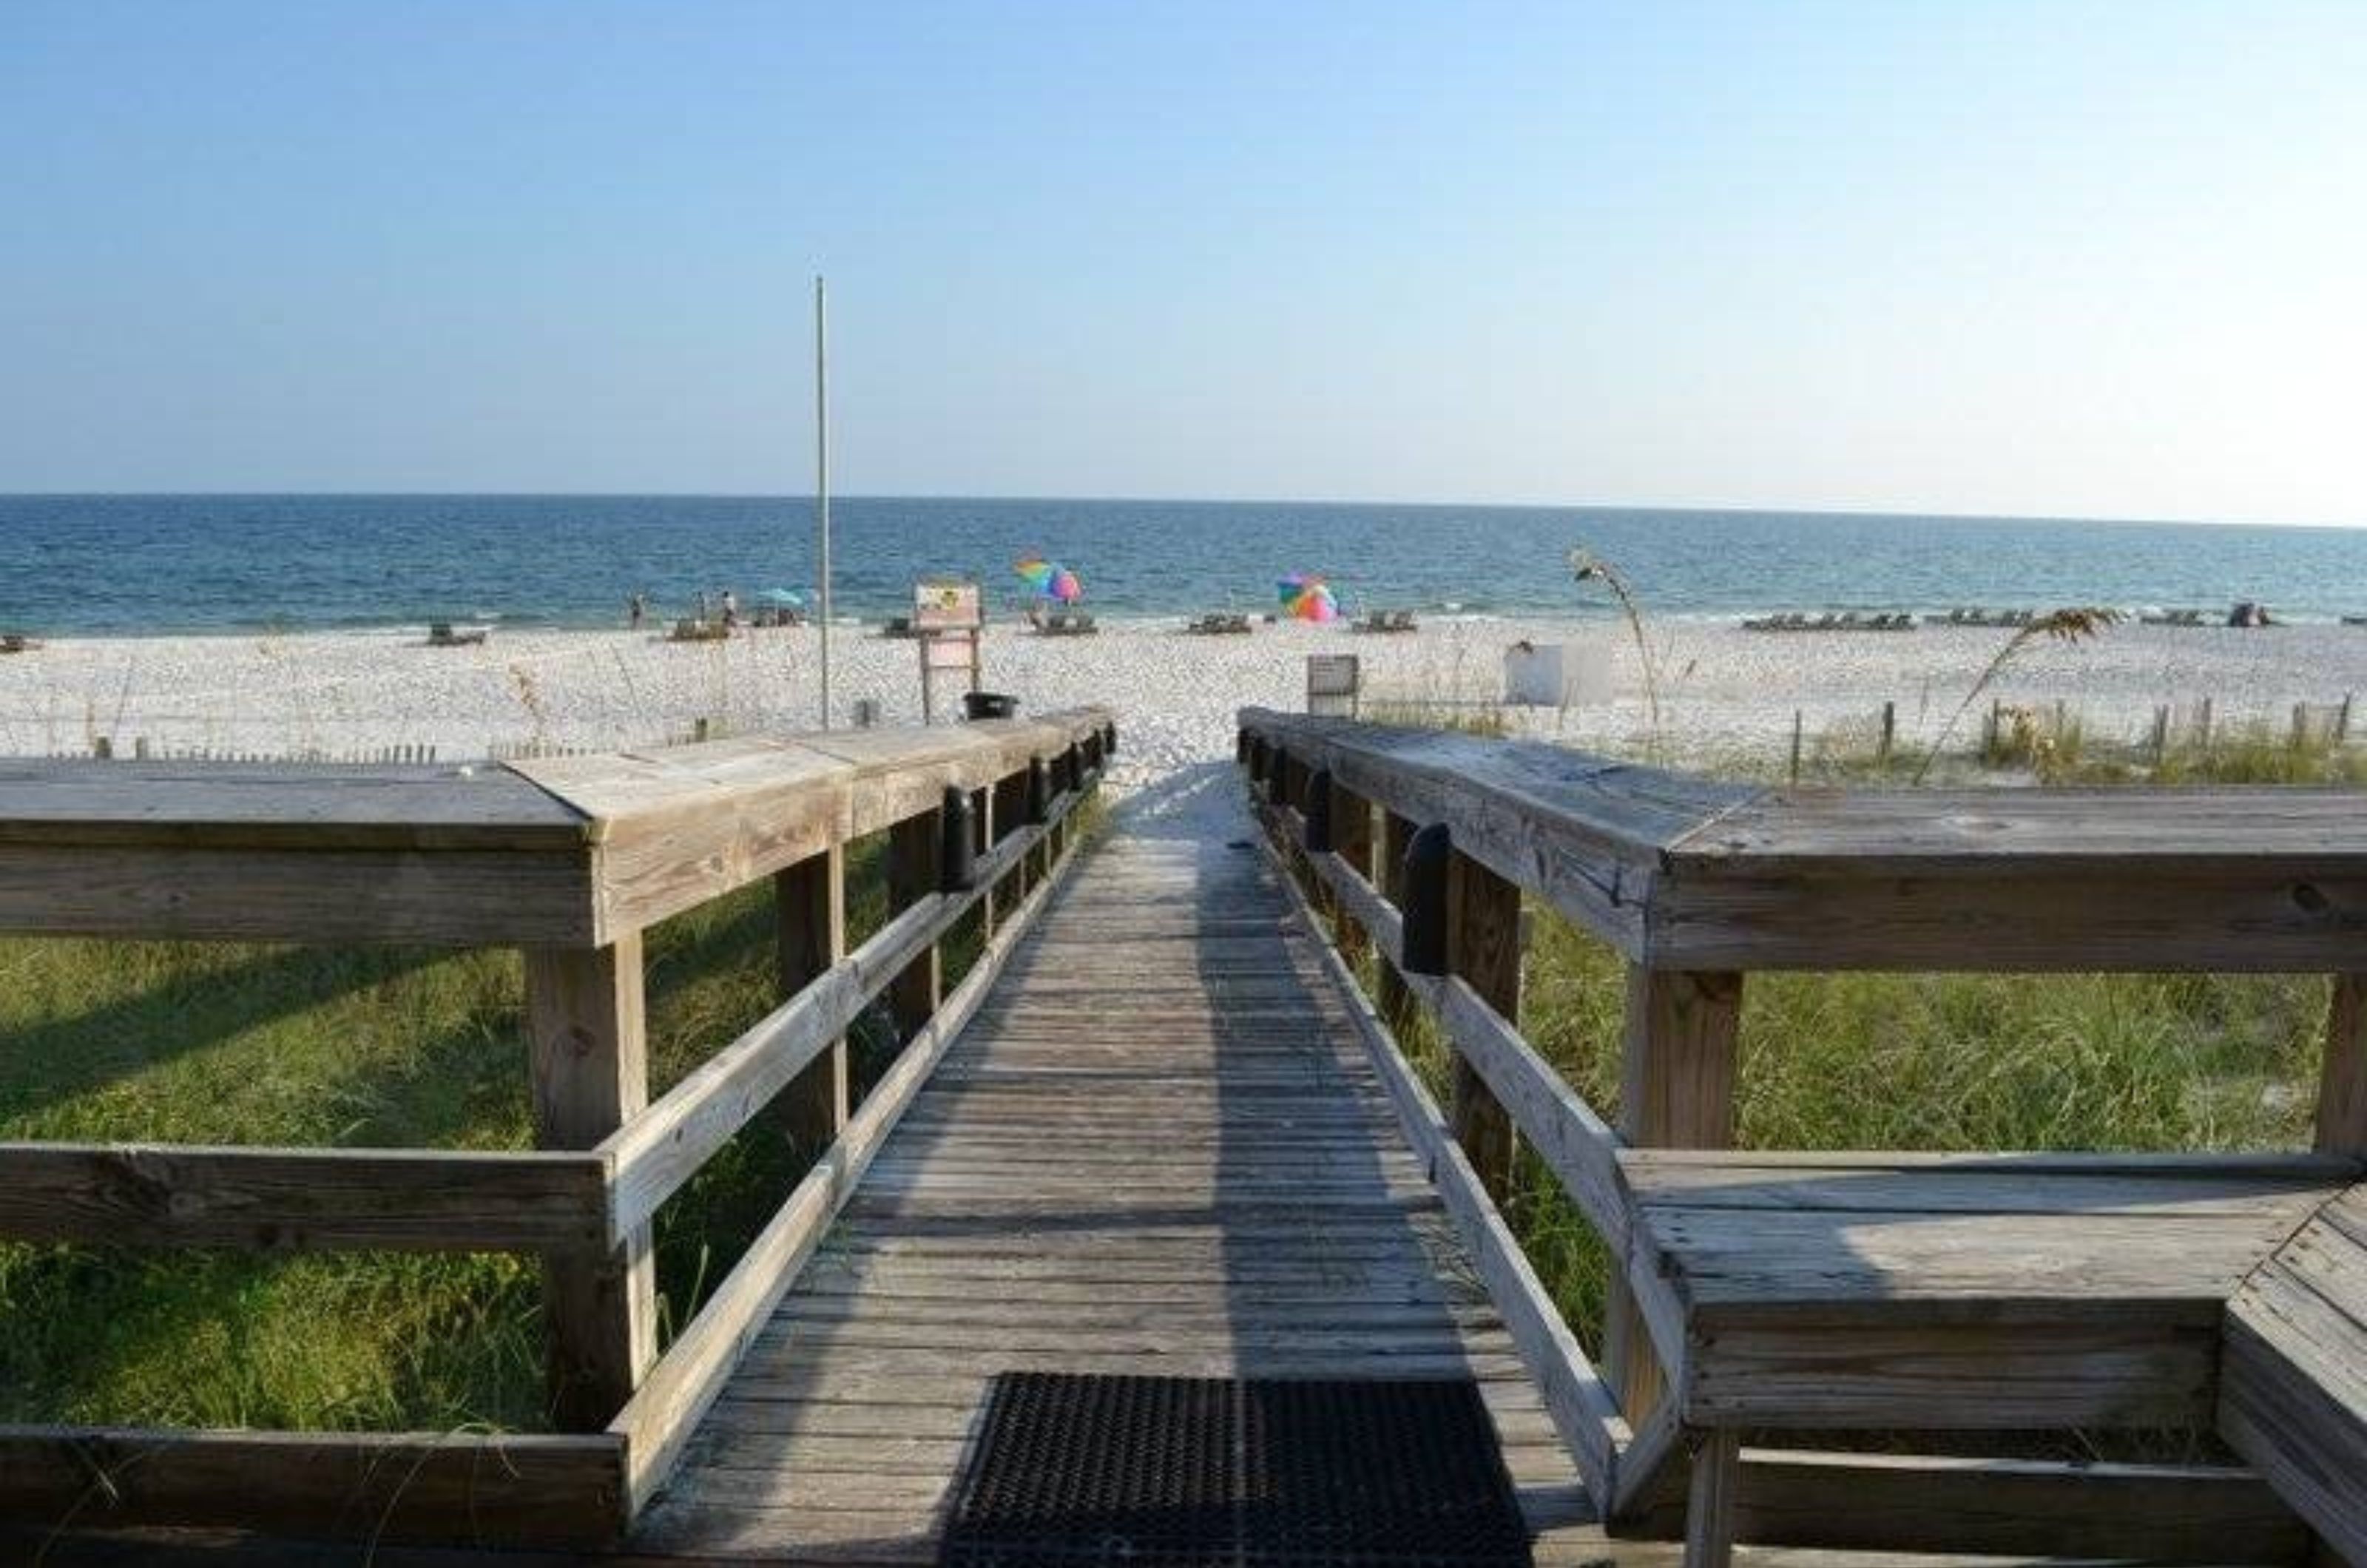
(821, 479)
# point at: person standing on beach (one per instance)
(637, 604)
(702, 606)
(730, 608)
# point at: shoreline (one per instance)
(354, 695)
(1724, 692)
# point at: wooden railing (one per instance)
(570, 859)
(1420, 846)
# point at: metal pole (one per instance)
(821, 478)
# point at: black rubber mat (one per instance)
(1186, 1472)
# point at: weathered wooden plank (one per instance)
(809, 906)
(2125, 914)
(434, 897)
(2110, 1371)
(2341, 1118)
(1583, 832)
(912, 875)
(589, 1058)
(451, 1486)
(1709, 1510)
(279, 806)
(662, 1147)
(1580, 1406)
(657, 1423)
(1887, 1503)
(300, 1200)
(1483, 948)
(2293, 1388)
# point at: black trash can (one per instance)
(989, 705)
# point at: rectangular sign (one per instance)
(946, 603)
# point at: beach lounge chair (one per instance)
(1068, 623)
(441, 635)
(1223, 624)
(688, 630)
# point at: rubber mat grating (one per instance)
(1191, 1472)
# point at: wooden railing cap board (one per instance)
(281, 806)
(1687, 874)
(1895, 832)
(569, 851)
(675, 827)
(1587, 833)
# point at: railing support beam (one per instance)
(810, 901)
(1483, 944)
(2342, 1083)
(1397, 832)
(1677, 1092)
(1352, 840)
(914, 847)
(590, 1065)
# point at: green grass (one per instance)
(173, 1042)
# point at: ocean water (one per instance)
(118, 564)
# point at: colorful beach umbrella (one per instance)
(1306, 597)
(1051, 580)
(788, 598)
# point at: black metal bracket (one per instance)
(1039, 791)
(1317, 810)
(1428, 852)
(956, 841)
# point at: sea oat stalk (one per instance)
(2072, 624)
(1587, 567)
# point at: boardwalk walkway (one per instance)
(1160, 1149)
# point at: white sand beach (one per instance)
(1723, 690)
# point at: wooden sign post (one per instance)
(947, 614)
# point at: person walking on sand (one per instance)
(702, 606)
(730, 608)
(637, 604)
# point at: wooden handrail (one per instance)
(1685, 873)
(301, 1200)
(1695, 883)
(571, 859)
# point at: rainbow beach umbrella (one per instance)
(1051, 579)
(1306, 597)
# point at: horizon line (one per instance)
(1672, 508)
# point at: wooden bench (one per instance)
(2292, 1391)
(1959, 1292)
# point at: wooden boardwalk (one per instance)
(1160, 1148)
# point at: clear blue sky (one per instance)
(2100, 259)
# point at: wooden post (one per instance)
(1483, 945)
(1676, 1092)
(810, 903)
(1796, 745)
(1352, 840)
(1709, 1511)
(2342, 720)
(2342, 1083)
(912, 873)
(2202, 725)
(1395, 834)
(1889, 730)
(589, 1060)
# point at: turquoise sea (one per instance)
(149, 563)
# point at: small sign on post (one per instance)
(947, 614)
(1331, 685)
